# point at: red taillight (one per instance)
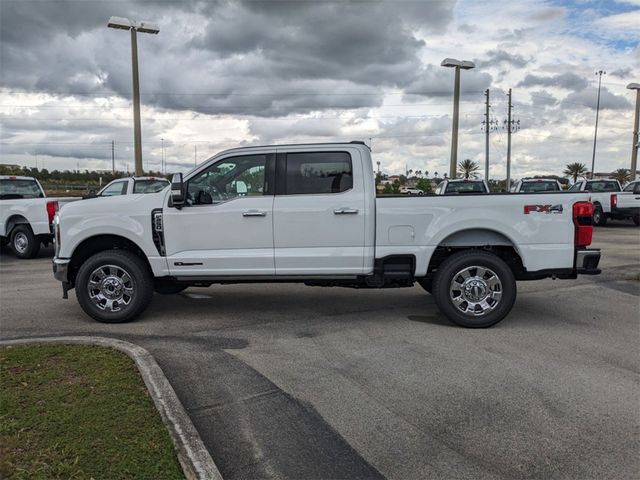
(614, 200)
(583, 221)
(52, 208)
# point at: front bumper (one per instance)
(61, 269)
(587, 261)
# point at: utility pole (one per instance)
(488, 126)
(635, 144)
(162, 157)
(595, 134)
(511, 126)
(113, 156)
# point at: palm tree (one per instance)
(622, 175)
(469, 168)
(575, 170)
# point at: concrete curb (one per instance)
(193, 456)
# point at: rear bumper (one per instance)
(587, 261)
(628, 212)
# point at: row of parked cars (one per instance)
(610, 200)
(26, 213)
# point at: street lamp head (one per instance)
(147, 27)
(120, 23)
(634, 86)
(452, 62)
(126, 24)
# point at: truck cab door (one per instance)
(320, 213)
(225, 227)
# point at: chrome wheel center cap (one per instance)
(475, 289)
(112, 287)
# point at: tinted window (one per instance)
(20, 189)
(149, 185)
(319, 172)
(116, 188)
(539, 187)
(465, 187)
(228, 179)
(603, 186)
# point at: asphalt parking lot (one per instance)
(287, 381)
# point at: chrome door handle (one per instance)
(254, 213)
(345, 211)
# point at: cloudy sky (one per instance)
(227, 73)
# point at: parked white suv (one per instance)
(309, 213)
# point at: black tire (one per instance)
(140, 282)
(599, 218)
(166, 287)
(444, 290)
(636, 220)
(426, 283)
(23, 242)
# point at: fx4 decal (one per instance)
(542, 209)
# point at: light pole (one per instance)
(464, 65)
(635, 145)
(595, 134)
(143, 27)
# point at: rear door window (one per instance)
(465, 187)
(539, 187)
(318, 173)
(603, 186)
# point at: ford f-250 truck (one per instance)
(627, 203)
(309, 213)
(600, 192)
(26, 215)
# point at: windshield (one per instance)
(151, 185)
(539, 187)
(466, 187)
(20, 189)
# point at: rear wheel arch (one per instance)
(14, 220)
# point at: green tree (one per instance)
(622, 175)
(468, 168)
(575, 170)
(424, 185)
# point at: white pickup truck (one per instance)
(26, 215)
(462, 185)
(627, 203)
(309, 213)
(600, 191)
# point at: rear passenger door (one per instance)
(319, 213)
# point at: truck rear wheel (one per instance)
(474, 289)
(599, 218)
(23, 242)
(114, 286)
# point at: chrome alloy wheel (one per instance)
(475, 290)
(111, 288)
(20, 242)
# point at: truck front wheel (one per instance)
(114, 286)
(474, 289)
(23, 242)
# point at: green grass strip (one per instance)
(75, 411)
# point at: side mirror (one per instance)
(177, 191)
(91, 194)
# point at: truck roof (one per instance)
(15, 177)
(352, 142)
(539, 180)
